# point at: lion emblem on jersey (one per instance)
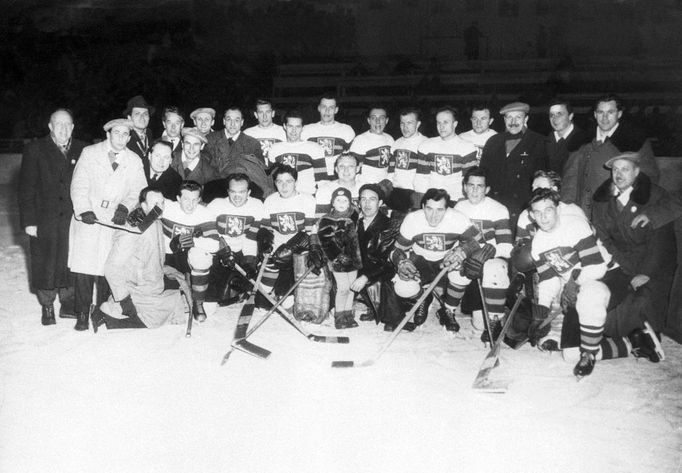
(286, 223)
(384, 155)
(289, 160)
(402, 159)
(182, 229)
(327, 145)
(434, 241)
(556, 260)
(443, 164)
(234, 226)
(265, 146)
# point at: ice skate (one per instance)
(585, 365)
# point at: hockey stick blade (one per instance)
(328, 339)
(351, 364)
(251, 349)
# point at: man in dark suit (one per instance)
(158, 170)
(511, 158)
(192, 164)
(139, 112)
(173, 122)
(225, 147)
(566, 137)
(45, 210)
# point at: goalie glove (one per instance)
(472, 266)
(225, 255)
(265, 240)
(316, 257)
(135, 217)
(569, 295)
(181, 242)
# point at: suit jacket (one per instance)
(584, 171)
(224, 156)
(45, 202)
(136, 146)
(558, 152)
(376, 243)
(510, 177)
(168, 182)
(202, 173)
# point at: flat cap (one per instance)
(630, 156)
(138, 102)
(196, 112)
(118, 122)
(515, 107)
(192, 131)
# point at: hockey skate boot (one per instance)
(645, 344)
(549, 345)
(198, 312)
(447, 319)
(495, 329)
(422, 312)
(585, 365)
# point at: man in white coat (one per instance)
(105, 186)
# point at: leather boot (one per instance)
(48, 315)
(82, 321)
(97, 318)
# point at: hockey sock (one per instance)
(453, 295)
(590, 337)
(611, 348)
(199, 284)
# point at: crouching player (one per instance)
(570, 267)
(492, 220)
(191, 240)
(434, 237)
(238, 218)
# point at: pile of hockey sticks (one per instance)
(243, 330)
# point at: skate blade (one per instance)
(658, 348)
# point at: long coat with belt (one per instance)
(509, 177)
(135, 268)
(45, 202)
(97, 187)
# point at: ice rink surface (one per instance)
(155, 401)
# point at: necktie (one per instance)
(112, 160)
(143, 142)
(230, 141)
(155, 176)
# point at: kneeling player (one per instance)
(238, 218)
(434, 237)
(492, 220)
(569, 268)
(191, 240)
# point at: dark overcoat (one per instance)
(45, 202)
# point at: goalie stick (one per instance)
(246, 314)
(290, 318)
(491, 360)
(239, 341)
(190, 303)
(484, 306)
(398, 329)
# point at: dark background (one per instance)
(92, 56)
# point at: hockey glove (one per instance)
(135, 217)
(250, 266)
(453, 259)
(283, 257)
(535, 332)
(225, 255)
(569, 295)
(150, 218)
(120, 215)
(182, 242)
(514, 290)
(407, 270)
(265, 240)
(472, 267)
(89, 217)
(521, 258)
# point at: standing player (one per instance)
(266, 132)
(443, 159)
(492, 220)
(191, 240)
(480, 128)
(431, 238)
(373, 147)
(404, 159)
(332, 136)
(301, 155)
(570, 267)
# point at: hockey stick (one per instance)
(290, 318)
(244, 331)
(190, 303)
(491, 360)
(398, 329)
(486, 319)
(126, 228)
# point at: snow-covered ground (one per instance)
(155, 401)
